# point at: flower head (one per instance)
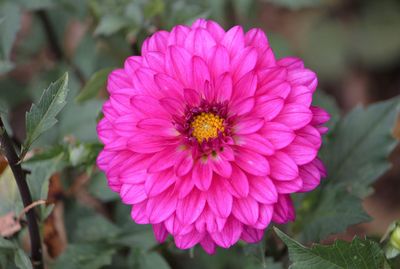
(206, 135)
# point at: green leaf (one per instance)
(42, 116)
(6, 244)
(10, 23)
(110, 24)
(337, 209)
(358, 148)
(105, 230)
(94, 85)
(22, 260)
(151, 260)
(98, 188)
(359, 254)
(85, 256)
(9, 196)
(298, 4)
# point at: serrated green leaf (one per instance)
(94, 85)
(358, 148)
(337, 209)
(42, 116)
(359, 254)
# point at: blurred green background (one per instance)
(353, 45)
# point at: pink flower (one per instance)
(206, 135)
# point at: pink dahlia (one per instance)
(206, 135)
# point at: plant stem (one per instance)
(20, 177)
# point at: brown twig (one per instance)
(29, 207)
(9, 152)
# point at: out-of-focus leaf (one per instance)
(13, 254)
(98, 188)
(360, 254)
(110, 24)
(151, 260)
(10, 23)
(22, 260)
(358, 148)
(85, 256)
(94, 85)
(153, 8)
(42, 116)
(104, 229)
(9, 195)
(298, 4)
(336, 210)
(37, 4)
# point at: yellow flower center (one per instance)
(206, 126)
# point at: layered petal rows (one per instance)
(206, 135)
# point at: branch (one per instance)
(20, 177)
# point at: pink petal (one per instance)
(300, 95)
(172, 105)
(184, 164)
(283, 210)
(160, 232)
(160, 207)
(132, 63)
(179, 64)
(263, 190)
(251, 235)
(223, 88)
(291, 62)
(245, 87)
(256, 143)
(184, 185)
(221, 166)
(157, 42)
(252, 162)
(155, 61)
(215, 30)
(265, 216)
(301, 151)
(189, 240)
(160, 126)
(169, 86)
(189, 208)
(178, 35)
(239, 182)
(301, 76)
(248, 125)
(202, 175)
(138, 213)
(243, 62)
(294, 116)
(229, 235)
(289, 186)
(200, 73)
(256, 37)
(143, 143)
(283, 167)
(175, 227)
(199, 42)
(132, 194)
(269, 106)
(278, 134)
(242, 106)
(310, 134)
(192, 97)
(219, 199)
(245, 210)
(164, 159)
(208, 245)
(320, 116)
(233, 40)
(310, 175)
(158, 182)
(219, 61)
(118, 79)
(278, 88)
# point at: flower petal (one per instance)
(189, 208)
(252, 162)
